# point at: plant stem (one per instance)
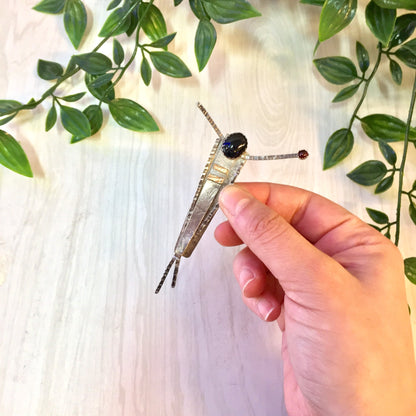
(403, 163)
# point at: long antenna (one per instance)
(211, 121)
(302, 154)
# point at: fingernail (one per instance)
(246, 277)
(265, 308)
(233, 199)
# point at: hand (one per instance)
(336, 287)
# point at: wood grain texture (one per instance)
(83, 244)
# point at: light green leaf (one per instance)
(397, 4)
(75, 121)
(205, 39)
(94, 115)
(336, 69)
(73, 97)
(95, 63)
(113, 4)
(132, 116)
(51, 118)
(380, 21)
(338, 147)
(335, 16)
(198, 9)
(146, 71)
(368, 173)
(163, 42)
(75, 21)
(153, 23)
(228, 11)
(313, 2)
(116, 23)
(50, 6)
(346, 93)
(104, 91)
(12, 156)
(9, 107)
(169, 64)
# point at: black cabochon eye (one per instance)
(234, 145)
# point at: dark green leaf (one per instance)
(377, 216)
(116, 23)
(12, 156)
(388, 152)
(412, 213)
(104, 92)
(198, 10)
(75, 21)
(177, 2)
(403, 29)
(146, 71)
(49, 70)
(227, 11)
(169, 64)
(75, 121)
(102, 80)
(134, 21)
(73, 97)
(113, 4)
(386, 128)
(396, 72)
(95, 63)
(9, 107)
(336, 69)
(384, 184)
(94, 115)
(410, 269)
(407, 53)
(335, 16)
(313, 2)
(153, 23)
(118, 52)
(51, 118)
(380, 21)
(205, 39)
(338, 147)
(362, 56)
(50, 6)
(163, 42)
(397, 4)
(132, 116)
(5, 120)
(368, 173)
(346, 93)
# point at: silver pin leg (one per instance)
(175, 260)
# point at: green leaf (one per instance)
(407, 53)
(75, 21)
(169, 64)
(94, 115)
(227, 11)
(198, 10)
(346, 93)
(49, 70)
(153, 23)
(386, 128)
(335, 16)
(104, 92)
(403, 29)
(163, 42)
(377, 216)
(75, 121)
(362, 56)
(336, 69)
(396, 72)
(9, 107)
(132, 116)
(51, 118)
(73, 97)
(313, 2)
(5, 120)
(12, 156)
(95, 63)
(338, 147)
(368, 173)
(177, 2)
(146, 71)
(102, 80)
(50, 6)
(113, 4)
(412, 213)
(388, 152)
(410, 269)
(116, 23)
(134, 21)
(205, 39)
(380, 21)
(118, 52)
(397, 4)
(384, 184)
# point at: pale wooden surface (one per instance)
(83, 244)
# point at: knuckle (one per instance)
(265, 228)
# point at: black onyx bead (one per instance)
(234, 145)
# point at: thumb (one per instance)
(290, 257)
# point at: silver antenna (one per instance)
(302, 154)
(210, 120)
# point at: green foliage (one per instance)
(12, 155)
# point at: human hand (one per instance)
(336, 287)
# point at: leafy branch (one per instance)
(128, 18)
(393, 33)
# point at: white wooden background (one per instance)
(84, 243)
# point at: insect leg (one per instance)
(175, 271)
(162, 280)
